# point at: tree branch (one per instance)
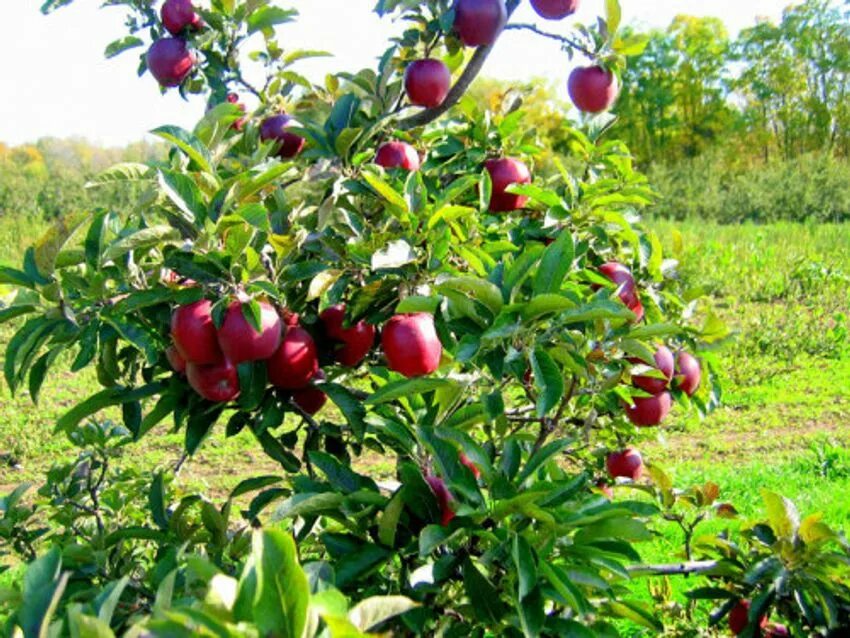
(552, 36)
(462, 85)
(674, 569)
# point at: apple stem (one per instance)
(553, 36)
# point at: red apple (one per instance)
(739, 617)
(397, 155)
(444, 498)
(468, 463)
(592, 89)
(354, 342)
(170, 61)
(295, 362)
(626, 464)
(311, 399)
(179, 14)
(606, 490)
(411, 344)
(194, 333)
(555, 9)
(427, 82)
(274, 128)
(239, 124)
(504, 172)
(627, 288)
(665, 364)
(217, 382)
(178, 363)
(240, 342)
(688, 373)
(650, 411)
(776, 630)
(479, 22)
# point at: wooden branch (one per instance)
(460, 88)
(674, 569)
(553, 36)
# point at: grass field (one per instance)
(784, 426)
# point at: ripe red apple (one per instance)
(776, 631)
(688, 373)
(179, 14)
(555, 9)
(240, 342)
(411, 344)
(170, 61)
(239, 124)
(622, 276)
(178, 363)
(665, 364)
(354, 342)
(504, 172)
(274, 128)
(592, 89)
(739, 617)
(468, 463)
(444, 498)
(626, 464)
(194, 333)
(217, 382)
(397, 155)
(650, 411)
(311, 399)
(295, 362)
(479, 22)
(427, 82)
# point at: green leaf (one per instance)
(123, 172)
(141, 240)
(782, 515)
(105, 398)
(184, 194)
(541, 456)
(486, 603)
(24, 346)
(545, 305)
(253, 484)
(613, 16)
(14, 277)
(479, 289)
(526, 566)
(266, 18)
(405, 388)
(121, 45)
(556, 262)
(189, 144)
(374, 611)
(392, 197)
(157, 503)
(548, 380)
(12, 312)
(350, 406)
(51, 243)
(41, 583)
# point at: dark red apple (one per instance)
(688, 373)
(178, 15)
(178, 363)
(479, 22)
(411, 344)
(217, 382)
(468, 463)
(397, 155)
(739, 617)
(444, 498)
(592, 89)
(355, 342)
(650, 411)
(555, 9)
(311, 399)
(170, 61)
(504, 172)
(626, 464)
(427, 82)
(665, 364)
(274, 128)
(295, 362)
(627, 288)
(194, 333)
(240, 342)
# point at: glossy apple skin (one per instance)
(274, 128)
(465, 460)
(665, 364)
(354, 342)
(622, 276)
(311, 399)
(555, 9)
(444, 498)
(688, 373)
(194, 335)
(503, 173)
(218, 382)
(177, 362)
(240, 342)
(397, 155)
(650, 411)
(427, 82)
(411, 344)
(295, 362)
(739, 617)
(177, 15)
(592, 89)
(625, 464)
(170, 61)
(479, 22)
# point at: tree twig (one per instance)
(674, 569)
(552, 36)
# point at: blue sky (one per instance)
(56, 82)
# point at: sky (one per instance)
(56, 82)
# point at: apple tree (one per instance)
(370, 269)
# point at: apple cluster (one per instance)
(170, 60)
(209, 355)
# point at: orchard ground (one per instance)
(784, 426)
